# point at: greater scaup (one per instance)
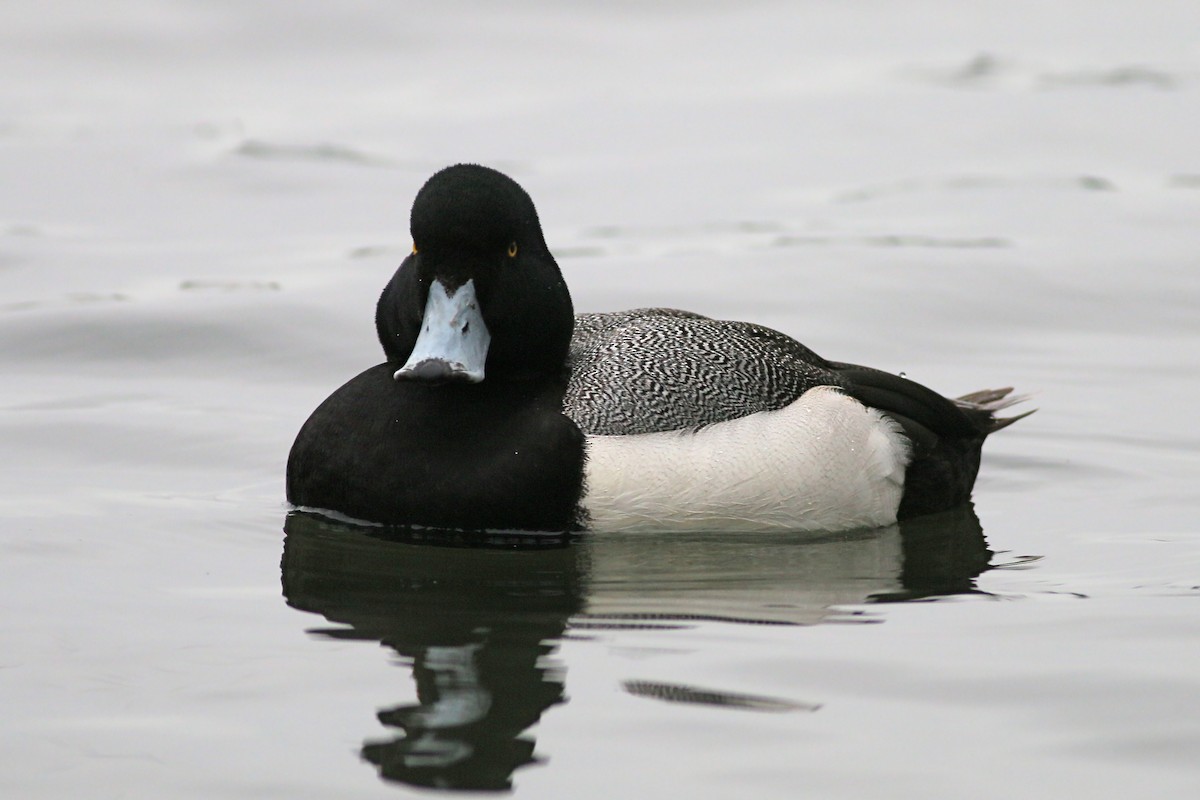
(498, 408)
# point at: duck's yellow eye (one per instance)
(512, 250)
(414, 248)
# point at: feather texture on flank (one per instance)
(741, 475)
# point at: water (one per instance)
(199, 204)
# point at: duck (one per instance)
(497, 408)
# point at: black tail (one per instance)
(947, 435)
(984, 404)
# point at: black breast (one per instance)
(496, 455)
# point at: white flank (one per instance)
(826, 462)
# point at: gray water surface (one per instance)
(199, 204)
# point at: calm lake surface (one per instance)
(199, 203)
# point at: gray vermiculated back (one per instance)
(659, 369)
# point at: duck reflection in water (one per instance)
(477, 623)
(479, 618)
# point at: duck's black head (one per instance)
(480, 297)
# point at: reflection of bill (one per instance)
(479, 623)
(459, 699)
